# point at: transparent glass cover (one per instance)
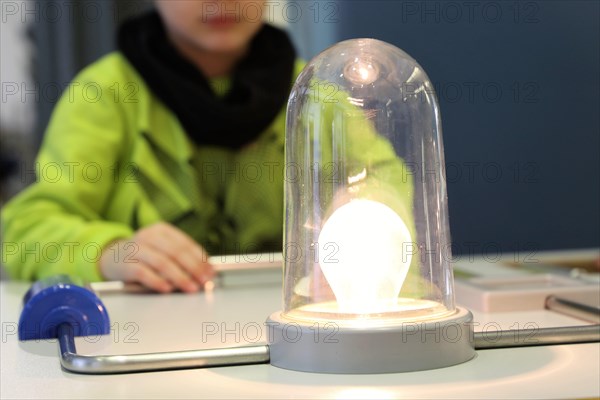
(366, 225)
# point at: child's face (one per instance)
(217, 26)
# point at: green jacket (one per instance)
(115, 159)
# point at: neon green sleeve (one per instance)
(56, 225)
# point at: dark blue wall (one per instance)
(518, 84)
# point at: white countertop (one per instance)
(152, 323)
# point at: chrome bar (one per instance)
(573, 308)
(536, 337)
(112, 364)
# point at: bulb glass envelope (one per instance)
(368, 286)
(366, 221)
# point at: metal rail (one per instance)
(114, 364)
(536, 337)
(574, 308)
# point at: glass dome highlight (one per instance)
(368, 286)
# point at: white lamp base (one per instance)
(408, 346)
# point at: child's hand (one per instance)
(160, 257)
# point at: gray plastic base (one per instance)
(408, 346)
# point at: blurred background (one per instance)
(518, 85)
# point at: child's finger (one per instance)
(164, 266)
(142, 273)
(182, 249)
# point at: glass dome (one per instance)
(366, 226)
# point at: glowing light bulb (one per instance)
(361, 255)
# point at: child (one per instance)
(160, 153)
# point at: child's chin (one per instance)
(225, 42)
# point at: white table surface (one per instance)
(151, 323)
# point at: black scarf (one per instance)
(260, 83)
